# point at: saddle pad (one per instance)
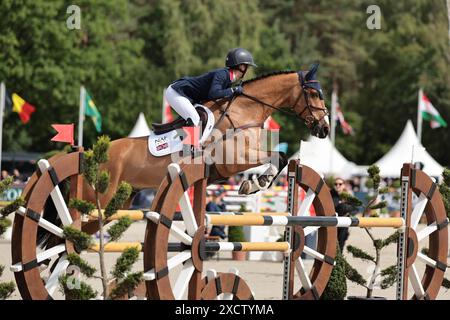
(170, 142)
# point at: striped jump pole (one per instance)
(304, 221)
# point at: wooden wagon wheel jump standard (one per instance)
(190, 248)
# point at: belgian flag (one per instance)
(17, 104)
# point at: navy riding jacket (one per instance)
(211, 85)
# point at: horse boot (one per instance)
(261, 183)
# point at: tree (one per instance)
(99, 180)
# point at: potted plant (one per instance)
(236, 234)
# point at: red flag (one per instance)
(271, 124)
(65, 133)
(346, 127)
(192, 136)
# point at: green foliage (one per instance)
(353, 275)
(83, 206)
(127, 285)
(85, 268)
(80, 239)
(116, 230)
(102, 182)
(350, 200)
(446, 283)
(336, 288)
(236, 234)
(384, 190)
(374, 176)
(358, 253)
(4, 225)
(393, 238)
(122, 194)
(12, 207)
(5, 184)
(6, 290)
(69, 288)
(90, 168)
(379, 205)
(100, 149)
(124, 263)
(389, 277)
(444, 189)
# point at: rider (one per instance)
(184, 92)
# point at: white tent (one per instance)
(407, 148)
(320, 155)
(141, 128)
(315, 153)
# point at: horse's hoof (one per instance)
(245, 187)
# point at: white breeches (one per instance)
(182, 105)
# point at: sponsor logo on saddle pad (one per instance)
(172, 141)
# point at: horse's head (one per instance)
(310, 104)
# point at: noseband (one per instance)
(309, 119)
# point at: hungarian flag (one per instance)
(271, 124)
(17, 104)
(429, 112)
(346, 127)
(91, 110)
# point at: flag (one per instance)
(17, 104)
(429, 112)
(271, 124)
(166, 111)
(346, 127)
(65, 133)
(91, 110)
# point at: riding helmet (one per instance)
(239, 56)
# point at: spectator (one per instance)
(18, 179)
(232, 181)
(342, 209)
(5, 174)
(213, 206)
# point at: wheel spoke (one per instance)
(180, 235)
(174, 230)
(58, 199)
(425, 232)
(313, 253)
(427, 260)
(57, 231)
(418, 210)
(183, 279)
(306, 203)
(415, 282)
(185, 205)
(227, 295)
(53, 280)
(309, 230)
(53, 251)
(171, 263)
(301, 271)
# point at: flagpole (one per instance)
(419, 117)
(2, 108)
(333, 124)
(81, 117)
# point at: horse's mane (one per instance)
(266, 75)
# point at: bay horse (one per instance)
(295, 92)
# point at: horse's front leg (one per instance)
(277, 160)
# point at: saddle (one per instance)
(160, 128)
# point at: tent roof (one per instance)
(320, 155)
(141, 128)
(402, 151)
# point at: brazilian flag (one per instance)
(91, 110)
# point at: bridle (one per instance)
(309, 119)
